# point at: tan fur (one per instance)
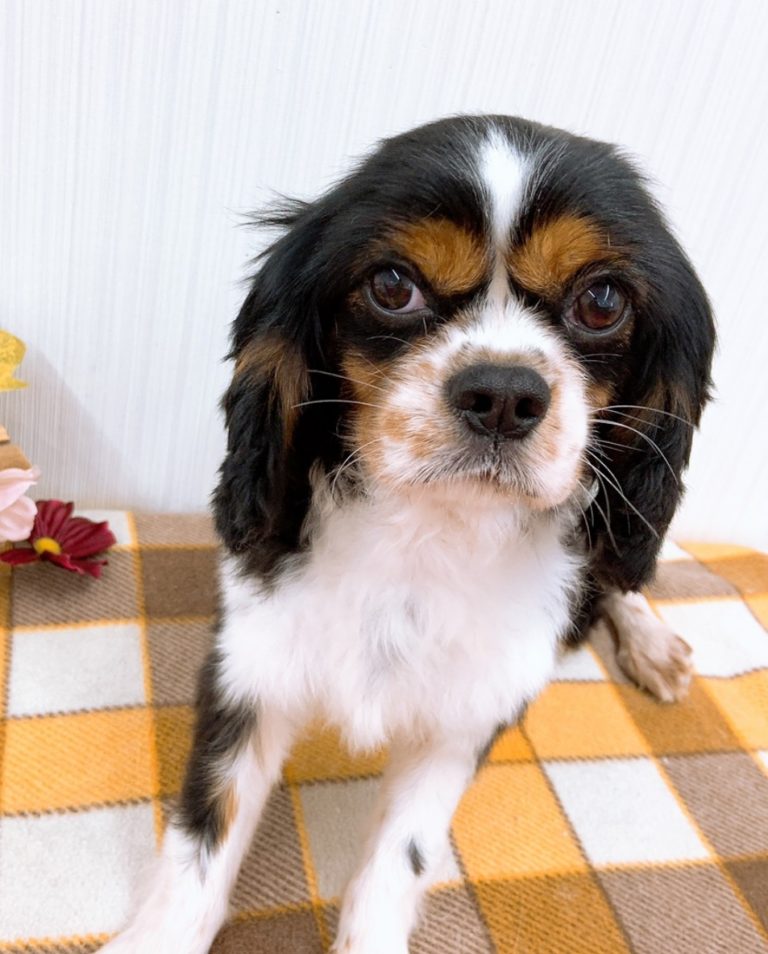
(374, 425)
(674, 398)
(229, 806)
(556, 250)
(271, 356)
(364, 384)
(548, 433)
(448, 256)
(599, 395)
(364, 379)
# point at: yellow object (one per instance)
(46, 545)
(12, 351)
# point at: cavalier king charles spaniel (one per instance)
(465, 385)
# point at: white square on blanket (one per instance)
(72, 874)
(85, 667)
(624, 812)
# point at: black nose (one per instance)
(499, 401)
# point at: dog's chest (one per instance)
(401, 619)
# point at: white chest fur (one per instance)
(405, 614)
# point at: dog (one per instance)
(465, 385)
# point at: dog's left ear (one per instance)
(652, 419)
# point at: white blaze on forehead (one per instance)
(504, 172)
(510, 330)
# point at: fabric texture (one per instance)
(607, 823)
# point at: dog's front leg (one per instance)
(648, 651)
(420, 792)
(238, 750)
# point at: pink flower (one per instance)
(69, 542)
(17, 512)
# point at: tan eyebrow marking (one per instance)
(556, 250)
(450, 257)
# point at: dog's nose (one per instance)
(496, 401)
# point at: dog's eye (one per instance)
(598, 308)
(394, 291)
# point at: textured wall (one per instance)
(134, 132)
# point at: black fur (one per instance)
(220, 731)
(298, 292)
(666, 364)
(416, 859)
(302, 290)
(263, 491)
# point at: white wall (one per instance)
(133, 132)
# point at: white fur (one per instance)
(504, 173)
(419, 796)
(513, 335)
(648, 651)
(421, 615)
(187, 896)
(412, 619)
(408, 614)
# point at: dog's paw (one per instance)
(661, 662)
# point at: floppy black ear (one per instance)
(263, 494)
(652, 420)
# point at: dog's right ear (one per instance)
(263, 493)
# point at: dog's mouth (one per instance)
(539, 469)
(501, 470)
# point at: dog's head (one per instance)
(484, 307)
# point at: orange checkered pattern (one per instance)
(605, 824)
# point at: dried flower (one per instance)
(69, 542)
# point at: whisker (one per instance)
(389, 338)
(345, 377)
(653, 444)
(606, 443)
(350, 461)
(376, 369)
(653, 410)
(595, 358)
(617, 487)
(629, 417)
(601, 511)
(584, 513)
(368, 361)
(606, 495)
(337, 401)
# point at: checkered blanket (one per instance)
(606, 823)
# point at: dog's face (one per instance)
(458, 383)
(485, 306)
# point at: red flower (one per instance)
(62, 539)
